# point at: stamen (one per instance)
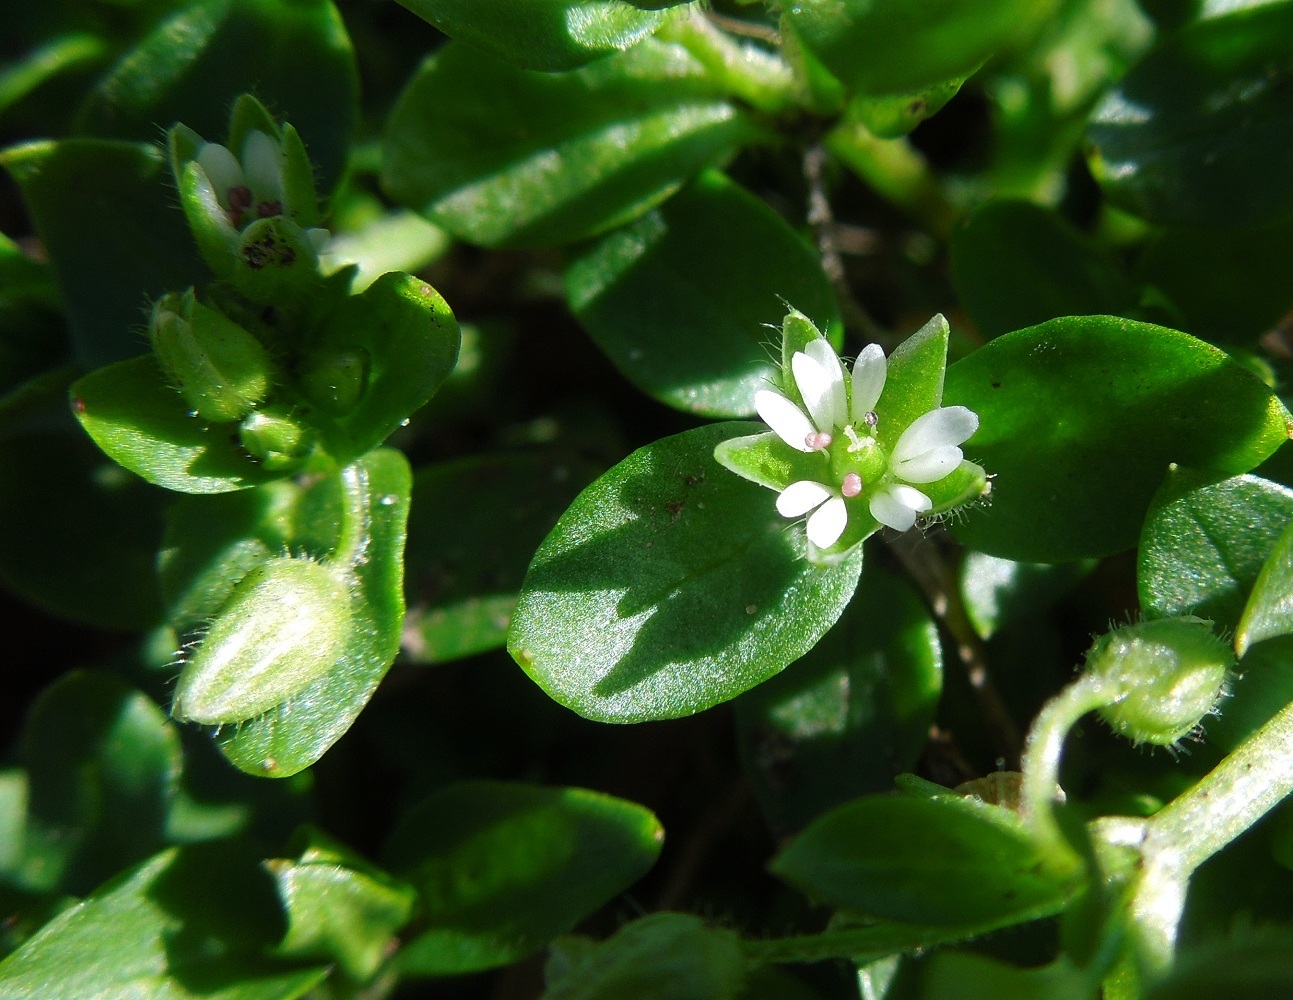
(267, 208)
(870, 418)
(239, 198)
(852, 485)
(818, 441)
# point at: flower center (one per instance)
(856, 459)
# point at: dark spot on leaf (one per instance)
(996, 385)
(78, 404)
(674, 507)
(695, 480)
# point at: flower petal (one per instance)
(799, 498)
(948, 425)
(787, 420)
(822, 386)
(929, 466)
(896, 506)
(827, 524)
(260, 159)
(869, 371)
(222, 169)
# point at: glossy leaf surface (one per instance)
(1195, 133)
(1079, 420)
(669, 586)
(941, 860)
(499, 155)
(1269, 611)
(541, 34)
(296, 734)
(502, 869)
(1204, 543)
(637, 292)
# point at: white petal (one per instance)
(821, 351)
(260, 159)
(785, 418)
(948, 425)
(930, 466)
(822, 389)
(799, 498)
(826, 526)
(221, 168)
(896, 506)
(869, 371)
(911, 498)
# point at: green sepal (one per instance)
(891, 116)
(964, 484)
(216, 237)
(914, 384)
(275, 261)
(249, 115)
(797, 332)
(767, 460)
(300, 200)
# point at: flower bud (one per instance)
(335, 379)
(221, 370)
(284, 626)
(1168, 675)
(276, 441)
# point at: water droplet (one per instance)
(389, 500)
(404, 422)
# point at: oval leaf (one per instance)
(1204, 542)
(541, 34)
(637, 295)
(1196, 133)
(501, 155)
(669, 586)
(1079, 419)
(293, 736)
(943, 860)
(1269, 612)
(906, 46)
(502, 869)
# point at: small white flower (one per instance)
(252, 186)
(928, 450)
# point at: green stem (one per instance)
(857, 943)
(754, 75)
(356, 517)
(1236, 794)
(1041, 760)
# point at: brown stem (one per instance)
(930, 572)
(822, 220)
(750, 29)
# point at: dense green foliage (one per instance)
(402, 598)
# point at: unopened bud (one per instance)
(221, 370)
(285, 625)
(335, 379)
(1169, 674)
(278, 442)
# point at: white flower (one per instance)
(926, 451)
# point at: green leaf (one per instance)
(94, 201)
(637, 294)
(61, 492)
(188, 922)
(1269, 612)
(1253, 962)
(145, 425)
(1079, 420)
(103, 765)
(1223, 286)
(914, 386)
(502, 868)
(963, 975)
(850, 714)
(1016, 264)
(939, 861)
(1261, 686)
(881, 47)
(71, 53)
(297, 733)
(338, 906)
(541, 34)
(294, 54)
(670, 586)
(499, 155)
(1195, 133)
(999, 591)
(1204, 542)
(462, 584)
(408, 340)
(663, 956)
